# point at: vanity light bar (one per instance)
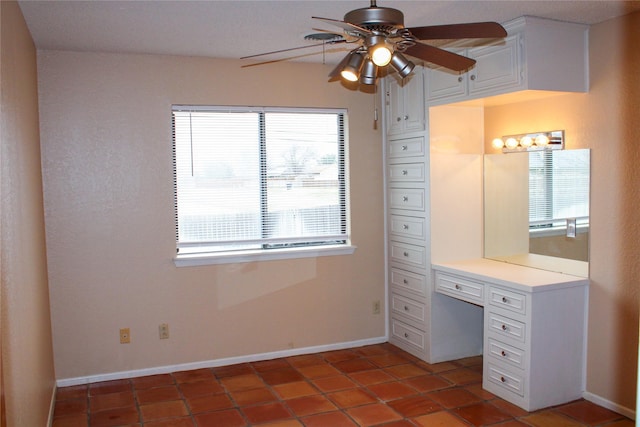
(536, 141)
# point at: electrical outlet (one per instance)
(376, 307)
(163, 330)
(125, 336)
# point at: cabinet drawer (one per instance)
(406, 172)
(406, 147)
(407, 334)
(460, 288)
(505, 379)
(408, 307)
(509, 300)
(408, 254)
(408, 281)
(407, 198)
(506, 353)
(408, 226)
(505, 327)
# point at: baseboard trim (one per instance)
(598, 400)
(66, 382)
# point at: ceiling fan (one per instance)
(383, 40)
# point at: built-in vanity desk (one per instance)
(534, 328)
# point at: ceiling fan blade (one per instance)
(459, 31)
(344, 25)
(294, 48)
(441, 57)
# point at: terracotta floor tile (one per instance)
(462, 376)
(108, 387)
(354, 365)
(232, 370)
(330, 384)
(283, 423)
(172, 422)
(330, 419)
(428, 383)
(374, 376)
(305, 360)
(476, 388)
(401, 423)
(392, 390)
(213, 402)
(454, 397)
(160, 410)
(229, 418)
(374, 414)
(103, 402)
(266, 413)
(281, 376)
(351, 398)
(441, 367)
(588, 413)
(79, 420)
(622, 423)
(512, 423)
(470, 361)
(152, 381)
(340, 355)
(406, 370)
(242, 382)
(373, 350)
(440, 419)
(318, 370)
(270, 365)
(310, 405)
(114, 417)
(549, 418)
(414, 406)
(509, 408)
(70, 407)
(201, 388)
(194, 375)
(294, 390)
(72, 392)
(253, 396)
(388, 359)
(481, 414)
(158, 394)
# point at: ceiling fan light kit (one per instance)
(383, 40)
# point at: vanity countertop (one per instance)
(514, 276)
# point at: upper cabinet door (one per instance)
(405, 103)
(498, 66)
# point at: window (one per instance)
(252, 181)
(558, 188)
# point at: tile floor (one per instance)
(377, 385)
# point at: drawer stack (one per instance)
(408, 230)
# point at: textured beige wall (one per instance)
(27, 357)
(108, 187)
(606, 121)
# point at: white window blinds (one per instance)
(558, 187)
(248, 179)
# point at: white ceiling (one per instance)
(232, 29)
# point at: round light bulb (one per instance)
(381, 55)
(349, 75)
(542, 140)
(497, 143)
(526, 141)
(511, 143)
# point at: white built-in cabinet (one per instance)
(458, 314)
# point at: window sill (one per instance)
(193, 260)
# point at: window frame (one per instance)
(268, 253)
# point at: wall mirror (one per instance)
(536, 209)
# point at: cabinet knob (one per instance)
(405, 198)
(473, 77)
(406, 308)
(503, 353)
(502, 379)
(406, 335)
(458, 287)
(405, 281)
(405, 227)
(406, 117)
(398, 119)
(406, 254)
(505, 300)
(460, 79)
(405, 172)
(405, 148)
(504, 327)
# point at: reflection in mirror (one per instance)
(537, 209)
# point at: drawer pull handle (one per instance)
(505, 300)
(502, 379)
(406, 335)
(405, 226)
(406, 117)
(405, 281)
(406, 308)
(405, 198)
(459, 79)
(406, 254)
(504, 327)
(405, 172)
(458, 287)
(503, 353)
(404, 147)
(397, 119)
(473, 77)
